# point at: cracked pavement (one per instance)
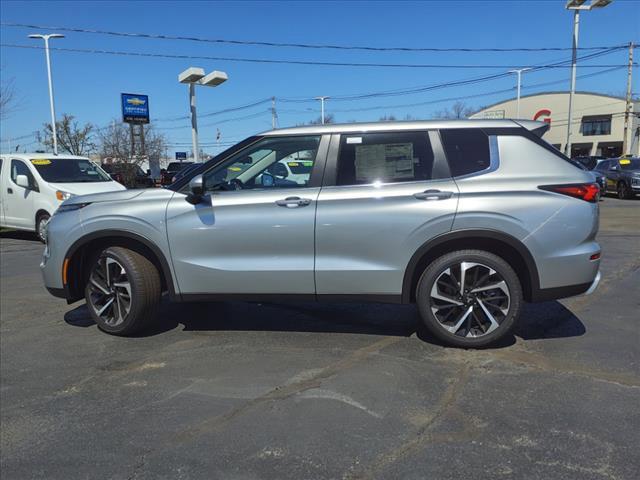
(321, 391)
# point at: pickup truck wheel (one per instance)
(469, 298)
(123, 291)
(623, 191)
(41, 226)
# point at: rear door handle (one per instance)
(292, 202)
(9, 190)
(433, 195)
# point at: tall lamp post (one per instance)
(195, 76)
(322, 99)
(518, 72)
(51, 104)
(577, 6)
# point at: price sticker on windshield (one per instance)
(41, 161)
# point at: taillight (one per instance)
(589, 192)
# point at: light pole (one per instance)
(195, 76)
(51, 104)
(322, 99)
(519, 74)
(576, 6)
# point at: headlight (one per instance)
(62, 195)
(71, 207)
(635, 181)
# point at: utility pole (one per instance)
(519, 73)
(626, 145)
(322, 99)
(274, 115)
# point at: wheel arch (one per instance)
(86, 246)
(505, 246)
(39, 213)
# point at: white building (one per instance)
(597, 126)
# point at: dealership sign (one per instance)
(135, 108)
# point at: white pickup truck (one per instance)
(33, 185)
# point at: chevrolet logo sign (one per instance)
(135, 101)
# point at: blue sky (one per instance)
(88, 85)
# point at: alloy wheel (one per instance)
(110, 291)
(470, 299)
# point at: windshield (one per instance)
(630, 163)
(69, 170)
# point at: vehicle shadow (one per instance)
(538, 321)
(19, 235)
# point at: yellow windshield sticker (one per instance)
(41, 161)
(292, 164)
(624, 161)
(235, 169)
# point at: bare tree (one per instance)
(7, 98)
(387, 118)
(328, 118)
(115, 143)
(72, 138)
(458, 110)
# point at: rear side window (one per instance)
(467, 150)
(366, 158)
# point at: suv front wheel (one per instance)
(123, 291)
(469, 298)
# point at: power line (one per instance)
(286, 61)
(156, 36)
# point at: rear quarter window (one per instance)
(467, 150)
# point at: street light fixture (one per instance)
(195, 76)
(518, 72)
(51, 104)
(322, 100)
(577, 6)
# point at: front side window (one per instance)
(273, 162)
(596, 125)
(467, 150)
(367, 158)
(18, 167)
(69, 170)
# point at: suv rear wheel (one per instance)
(469, 298)
(123, 291)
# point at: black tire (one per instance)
(145, 288)
(624, 192)
(438, 268)
(41, 221)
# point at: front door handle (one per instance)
(292, 202)
(433, 195)
(9, 190)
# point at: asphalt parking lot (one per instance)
(306, 391)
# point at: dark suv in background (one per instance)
(622, 176)
(129, 175)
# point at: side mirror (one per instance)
(196, 185)
(23, 181)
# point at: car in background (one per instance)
(588, 162)
(622, 176)
(34, 185)
(184, 171)
(172, 169)
(129, 175)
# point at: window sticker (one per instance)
(292, 164)
(625, 161)
(384, 161)
(354, 140)
(41, 161)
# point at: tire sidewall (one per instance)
(129, 318)
(433, 271)
(43, 217)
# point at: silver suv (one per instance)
(467, 219)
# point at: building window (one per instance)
(596, 125)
